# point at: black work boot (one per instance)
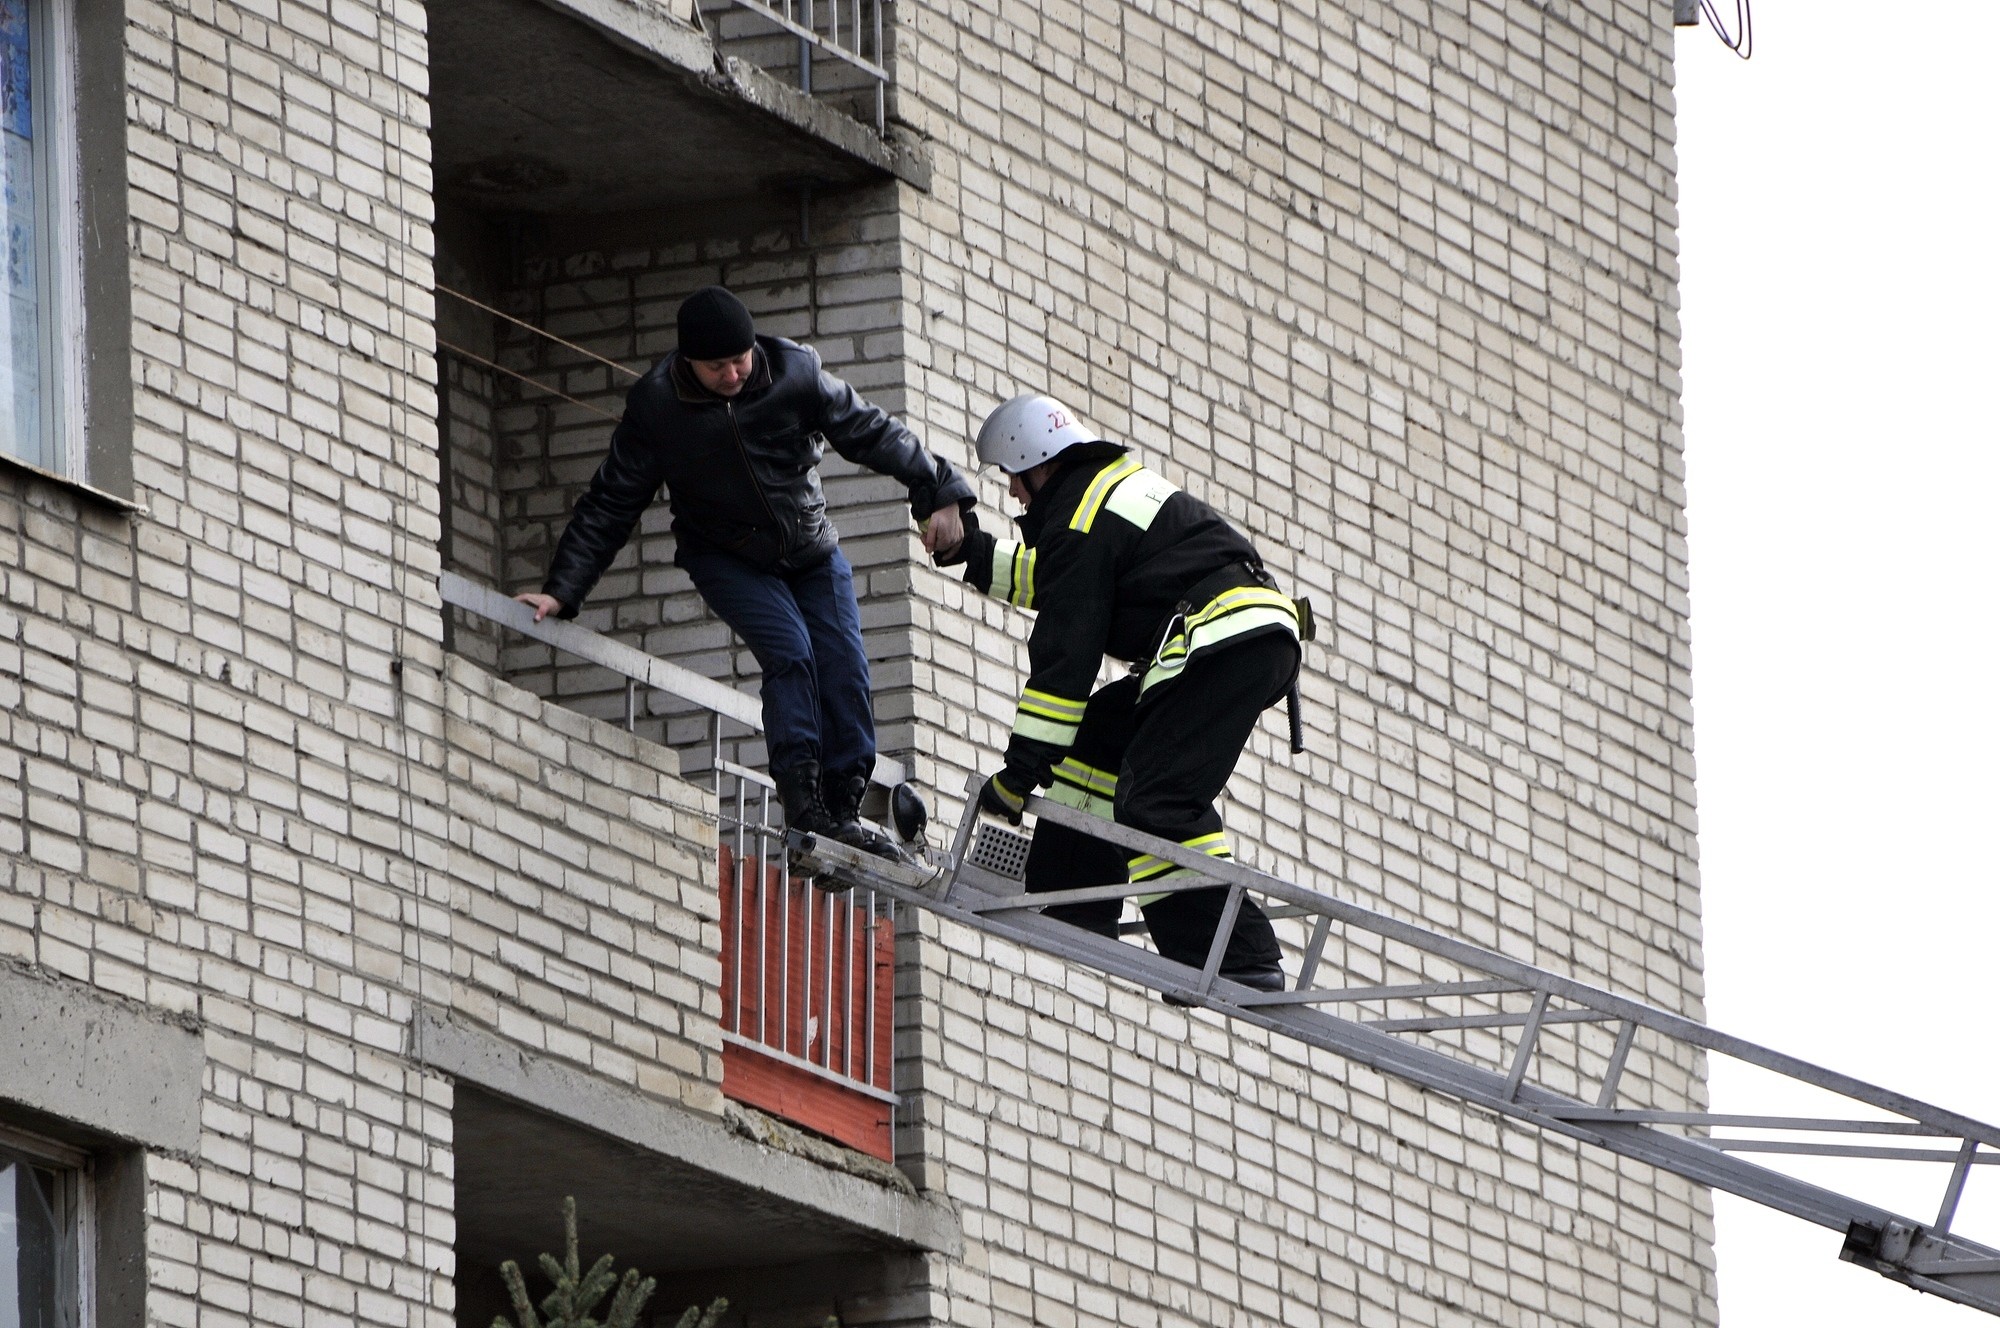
(798, 790)
(842, 797)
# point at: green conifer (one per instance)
(576, 1292)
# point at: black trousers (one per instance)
(1158, 765)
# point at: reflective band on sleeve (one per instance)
(1084, 787)
(1013, 574)
(1101, 782)
(1139, 498)
(1100, 489)
(1146, 867)
(1044, 730)
(1050, 706)
(1047, 717)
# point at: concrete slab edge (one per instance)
(105, 1064)
(487, 1061)
(667, 41)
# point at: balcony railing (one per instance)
(844, 37)
(807, 976)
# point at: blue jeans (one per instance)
(805, 631)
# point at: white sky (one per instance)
(1840, 286)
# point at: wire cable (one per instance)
(1740, 43)
(540, 332)
(463, 353)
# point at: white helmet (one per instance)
(1027, 431)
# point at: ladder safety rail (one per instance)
(978, 883)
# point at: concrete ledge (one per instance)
(771, 1178)
(110, 1067)
(669, 41)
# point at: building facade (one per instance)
(344, 931)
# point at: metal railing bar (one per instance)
(811, 1067)
(1414, 992)
(1444, 1023)
(1606, 1004)
(785, 962)
(807, 34)
(720, 699)
(1720, 1120)
(869, 937)
(1955, 1187)
(1525, 1053)
(1085, 894)
(1219, 944)
(1614, 1069)
(1841, 1150)
(1314, 952)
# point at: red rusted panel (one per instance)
(810, 1006)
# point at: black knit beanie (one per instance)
(714, 325)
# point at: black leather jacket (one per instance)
(740, 472)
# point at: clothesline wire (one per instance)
(540, 332)
(481, 360)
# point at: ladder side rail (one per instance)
(1679, 1027)
(1935, 1261)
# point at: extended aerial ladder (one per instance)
(978, 884)
(1428, 1030)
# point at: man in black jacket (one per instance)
(733, 425)
(1118, 561)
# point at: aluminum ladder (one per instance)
(978, 884)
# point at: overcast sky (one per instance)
(1840, 289)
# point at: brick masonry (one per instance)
(1391, 285)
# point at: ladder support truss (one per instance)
(978, 884)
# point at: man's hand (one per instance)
(543, 605)
(944, 531)
(996, 797)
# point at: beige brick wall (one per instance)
(584, 907)
(1392, 287)
(235, 783)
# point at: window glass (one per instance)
(22, 279)
(37, 1245)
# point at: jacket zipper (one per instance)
(749, 470)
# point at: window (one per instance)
(41, 327)
(44, 1233)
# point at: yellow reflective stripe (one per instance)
(1140, 498)
(1044, 730)
(1013, 574)
(1100, 489)
(1050, 706)
(1229, 614)
(1146, 867)
(1000, 583)
(1069, 795)
(1230, 601)
(1023, 578)
(1101, 782)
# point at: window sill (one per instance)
(99, 496)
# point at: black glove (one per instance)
(999, 798)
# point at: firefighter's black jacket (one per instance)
(740, 472)
(1117, 562)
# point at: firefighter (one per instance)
(1117, 561)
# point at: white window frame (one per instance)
(78, 1218)
(59, 227)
